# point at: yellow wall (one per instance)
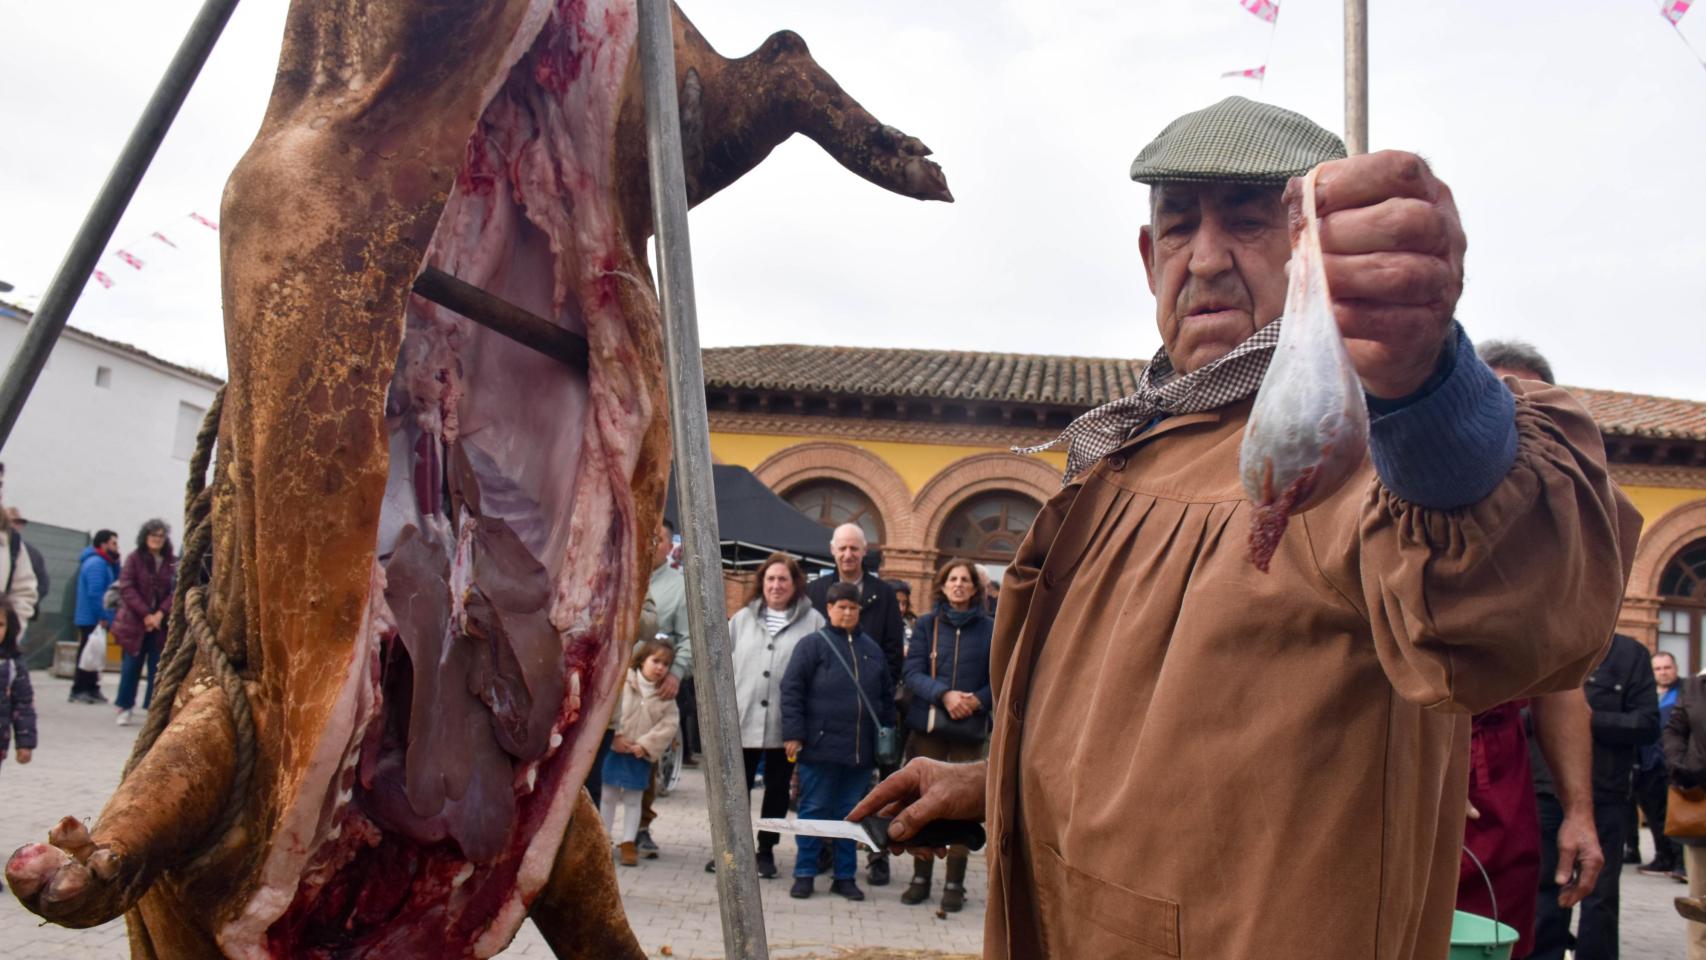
(916, 463)
(1655, 502)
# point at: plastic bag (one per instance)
(94, 655)
(1308, 430)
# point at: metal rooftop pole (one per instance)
(725, 776)
(1356, 76)
(98, 225)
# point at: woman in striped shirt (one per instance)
(762, 635)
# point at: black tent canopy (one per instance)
(753, 522)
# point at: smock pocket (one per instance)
(1106, 919)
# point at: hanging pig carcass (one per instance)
(429, 542)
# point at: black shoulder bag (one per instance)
(971, 729)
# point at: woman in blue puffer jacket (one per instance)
(947, 673)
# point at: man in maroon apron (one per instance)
(1503, 830)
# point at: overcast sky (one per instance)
(1573, 134)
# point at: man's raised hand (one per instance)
(1392, 246)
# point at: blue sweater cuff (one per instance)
(1451, 447)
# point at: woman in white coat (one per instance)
(762, 636)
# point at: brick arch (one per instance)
(855, 466)
(981, 473)
(1677, 529)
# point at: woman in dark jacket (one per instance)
(947, 673)
(828, 729)
(1684, 741)
(145, 591)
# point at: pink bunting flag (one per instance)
(1674, 9)
(162, 238)
(103, 280)
(209, 224)
(1269, 11)
(129, 258)
(1254, 73)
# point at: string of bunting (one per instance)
(127, 254)
(1672, 11)
(1266, 11)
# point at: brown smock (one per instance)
(1194, 759)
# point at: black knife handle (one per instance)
(936, 833)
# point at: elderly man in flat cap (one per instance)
(1195, 759)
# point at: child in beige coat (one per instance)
(646, 724)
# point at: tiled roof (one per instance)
(1067, 381)
(15, 312)
(956, 374)
(1638, 415)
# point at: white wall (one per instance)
(86, 456)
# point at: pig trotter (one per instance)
(579, 913)
(156, 819)
(858, 141)
(71, 891)
(734, 112)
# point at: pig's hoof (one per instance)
(70, 882)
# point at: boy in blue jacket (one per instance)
(831, 731)
(97, 569)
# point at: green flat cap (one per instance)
(1236, 141)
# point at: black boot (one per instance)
(766, 863)
(954, 885)
(918, 890)
(878, 870)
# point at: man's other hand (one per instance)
(922, 791)
(24, 754)
(1392, 246)
(1578, 852)
(669, 686)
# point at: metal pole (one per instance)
(98, 225)
(725, 776)
(1356, 76)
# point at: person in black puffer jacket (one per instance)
(829, 731)
(947, 673)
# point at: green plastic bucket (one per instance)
(1478, 938)
(1474, 937)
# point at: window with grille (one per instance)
(833, 503)
(1682, 614)
(988, 526)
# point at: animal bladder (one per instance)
(1308, 430)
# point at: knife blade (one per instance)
(873, 832)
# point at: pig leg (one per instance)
(579, 913)
(734, 112)
(156, 818)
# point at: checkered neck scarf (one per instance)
(1160, 392)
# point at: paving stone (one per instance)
(671, 901)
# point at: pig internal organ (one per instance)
(1308, 431)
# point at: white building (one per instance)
(105, 438)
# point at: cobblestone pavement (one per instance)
(671, 901)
